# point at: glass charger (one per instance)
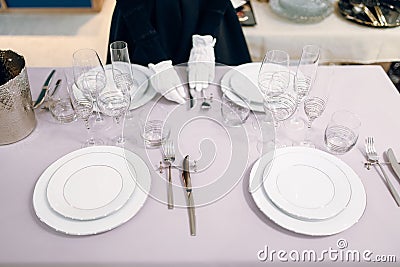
(75, 227)
(342, 221)
(306, 185)
(389, 10)
(90, 186)
(319, 12)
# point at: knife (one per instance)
(191, 98)
(393, 162)
(45, 88)
(189, 194)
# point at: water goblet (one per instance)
(280, 99)
(274, 61)
(114, 103)
(83, 106)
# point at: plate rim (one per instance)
(93, 227)
(328, 227)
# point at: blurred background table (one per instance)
(342, 41)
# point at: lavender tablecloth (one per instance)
(230, 231)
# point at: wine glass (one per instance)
(316, 100)
(90, 76)
(305, 76)
(122, 70)
(274, 61)
(83, 106)
(114, 103)
(280, 98)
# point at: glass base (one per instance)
(93, 142)
(295, 124)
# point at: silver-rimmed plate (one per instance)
(90, 186)
(75, 227)
(342, 221)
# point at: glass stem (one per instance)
(91, 140)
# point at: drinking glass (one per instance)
(316, 100)
(115, 103)
(234, 108)
(90, 76)
(280, 98)
(274, 61)
(83, 105)
(305, 76)
(59, 101)
(122, 70)
(154, 132)
(341, 134)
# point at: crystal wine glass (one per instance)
(274, 61)
(90, 76)
(122, 70)
(280, 98)
(315, 102)
(114, 103)
(83, 106)
(305, 76)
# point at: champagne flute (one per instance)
(122, 70)
(114, 103)
(90, 76)
(305, 76)
(315, 102)
(280, 98)
(83, 106)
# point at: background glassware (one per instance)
(234, 108)
(89, 75)
(274, 61)
(115, 103)
(315, 102)
(83, 106)
(305, 76)
(341, 134)
(59, 102)
(280, 98)
(122, 70)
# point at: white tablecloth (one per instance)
(340, 39)
(230, 231)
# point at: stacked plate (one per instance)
(91, 190)
(307, 191)
(243, 80)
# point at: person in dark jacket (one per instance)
(162, 33)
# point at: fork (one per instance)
(374, 158)
(169, 158)
(205, 104)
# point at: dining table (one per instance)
(231, 229)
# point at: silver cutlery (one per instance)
(360, 7)
(393, 162)
(205, 105)
(374, 158)
(169, 158)
(380, 15)
(45, 88)
(189, 195)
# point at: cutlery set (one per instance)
(373, 159)
(364, 7)
(168, 151)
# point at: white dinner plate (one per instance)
(75, 227)
(306, 185)
(141, 74)
(342, 221)
(243, 79)
(90, 186)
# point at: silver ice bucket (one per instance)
(17, 118)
